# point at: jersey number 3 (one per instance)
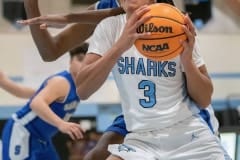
(149, 94)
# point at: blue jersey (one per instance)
(103, 4)
(64, 110)
(26, 136)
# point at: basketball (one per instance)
(166, 31)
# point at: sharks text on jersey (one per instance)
(129, 65)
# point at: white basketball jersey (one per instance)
(153, 94)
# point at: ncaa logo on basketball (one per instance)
(155, 48)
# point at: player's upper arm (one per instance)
(90, 58)
(56, 89)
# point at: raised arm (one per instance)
(95, 68)
(15, 89)
(61, 20)
(51, 47)
(199, 85)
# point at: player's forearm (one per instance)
(17, 90)
(92, 76)
(92, 16)
(44, 41)
(199, 86)
(45, 113)
(31, 7)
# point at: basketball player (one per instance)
(171, 128)
(27, 134)
(117, 131)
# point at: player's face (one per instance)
(76, 63)
(131, 5)
(79, 57)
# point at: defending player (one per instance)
(27, 135)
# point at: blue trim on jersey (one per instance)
(103, 4)
(119, 126)
(206, 116)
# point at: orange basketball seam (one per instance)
(162, 37)
(167, 18)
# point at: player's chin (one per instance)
(133, 7)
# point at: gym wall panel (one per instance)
(221, 52)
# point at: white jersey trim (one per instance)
(25, 119)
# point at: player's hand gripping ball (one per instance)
(166, 31)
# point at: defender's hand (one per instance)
(53, 21)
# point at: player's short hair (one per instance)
(82, 49)
(166, 1)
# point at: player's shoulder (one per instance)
(103, 4)
(118, 19)
(58, 78)
(54, 82)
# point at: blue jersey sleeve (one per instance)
(103, 4)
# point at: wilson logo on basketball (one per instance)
(153, 28)
(155, 48)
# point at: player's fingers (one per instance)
(143, 35)
(21, 21)
(44, 26)
(139, 13)
(142, 20)
(81, 132)
(190, 36)
(183, 43)
(77, 132)
(29, 21)
(142, 10)
(71, 135)
(190, 25)
(76, 136)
